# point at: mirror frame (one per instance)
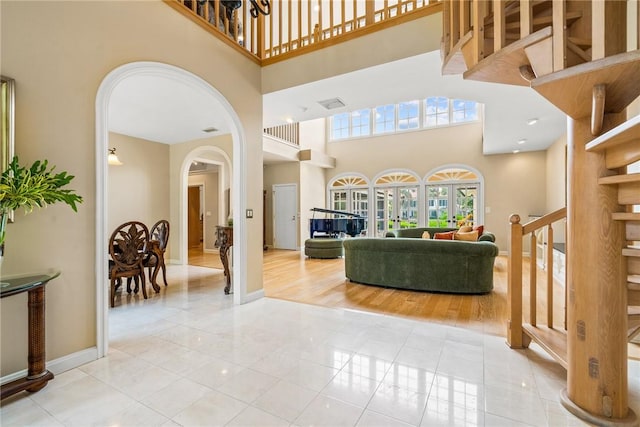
(7, 123)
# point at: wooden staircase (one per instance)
(576, 55)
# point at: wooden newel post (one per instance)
(514, 286)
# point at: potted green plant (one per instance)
(27, 188)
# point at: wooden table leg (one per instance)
(224, 257)
(37, 375)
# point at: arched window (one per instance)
(396, 194)
(453, 197)
(350, 193)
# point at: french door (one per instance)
(396, 207)
(449, 205)
(353, 200)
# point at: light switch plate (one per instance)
(249, 213)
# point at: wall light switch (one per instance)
(208, 213)
(487, 209)
(249, 213)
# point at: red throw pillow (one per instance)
(479, 229)
(444, 236)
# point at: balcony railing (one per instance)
(295, 26)
(289, 133)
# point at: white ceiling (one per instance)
(158, 109)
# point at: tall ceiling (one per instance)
(158, 109)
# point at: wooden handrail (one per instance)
(516, 335)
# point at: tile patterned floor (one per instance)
(189, 357)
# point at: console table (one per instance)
(37, 375)
(224, 241)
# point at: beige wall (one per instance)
(513, 183)
(137, 190)
(312, 181)
(402, 41)
(59, 53)
(209, 183)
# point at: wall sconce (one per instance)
(112, 159)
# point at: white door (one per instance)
(285, 216)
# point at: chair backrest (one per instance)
(128, 244)
(160, 232)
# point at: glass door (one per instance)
(450, 205)
(396, 207)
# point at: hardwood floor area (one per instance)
(291, 276)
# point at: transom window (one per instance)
(404, 116)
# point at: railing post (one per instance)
(514, 286)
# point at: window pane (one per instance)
(340, 126)
(464, 111)
(360, 123)
(408, 115)
(436, 111)
(385, 118)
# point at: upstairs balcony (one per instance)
(297, 27)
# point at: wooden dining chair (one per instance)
(127, 248)
(154, 259)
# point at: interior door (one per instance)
(193, 217)
(285, 215)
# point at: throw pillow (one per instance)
(479, 229)
(426, 235)
(444, 236)
(465, 229)
(470, 236)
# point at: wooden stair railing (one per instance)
(576, 55)
(519, 332)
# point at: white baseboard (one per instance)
(253, 296)
(59, 365)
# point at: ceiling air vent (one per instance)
(210, 130)
(331, 104)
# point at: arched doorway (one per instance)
(397, 200)
(110, 82)
(454, 195)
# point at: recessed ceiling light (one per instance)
(521, 141)
(516, 151)
(532, 122)
(289, 120)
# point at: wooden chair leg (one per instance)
(144, 285)
(113, 292)
(164, 273)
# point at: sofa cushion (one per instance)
(444, 236)
(465, 229)
(470, 236)
(426, 235)
(479, 229)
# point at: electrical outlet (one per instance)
(249, 213)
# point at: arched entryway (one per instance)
(110, 82)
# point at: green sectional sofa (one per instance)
(421, 264)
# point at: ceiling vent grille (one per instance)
(333, 103)
(210, 130)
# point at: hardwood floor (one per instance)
(291, 276)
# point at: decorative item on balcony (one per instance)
(36, 186)
(264, 7)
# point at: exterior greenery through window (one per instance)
(410, 115)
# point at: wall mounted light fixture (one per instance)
(112, 159)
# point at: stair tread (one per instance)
(503, 66)
(570, 18)
(631, 251)
(626, 132)
(626, 216)
(634, 279)
(571, 89)
(620, 179)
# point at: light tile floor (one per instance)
(189, 357)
